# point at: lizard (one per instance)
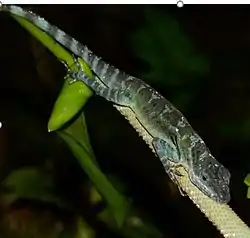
(174, 140)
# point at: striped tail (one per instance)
(110, 75)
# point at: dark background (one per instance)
(214, 96)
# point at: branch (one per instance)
(221, 215)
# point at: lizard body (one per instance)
(173, 138)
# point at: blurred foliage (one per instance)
(170, 55)
(242, 130)
(31, 183)
(247, 182)
(168, 51)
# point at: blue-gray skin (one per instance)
(174, 140)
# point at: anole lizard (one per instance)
(174, 140)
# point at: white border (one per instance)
(125, 2)
(90, 2)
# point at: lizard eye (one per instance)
(204, 177)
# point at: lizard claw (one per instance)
(172, 176)
(75, 72)
(72, 70)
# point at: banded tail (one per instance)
(107, 73)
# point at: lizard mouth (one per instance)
(222, 196)
(219, 193)
(225, 197)
(222, 200)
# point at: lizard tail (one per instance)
(110, 75)
(59, 35)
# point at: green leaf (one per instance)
(247, 180)
(72, 96)
(117, 204)
(32, 183)
(69, 102)
(84, 230)
(78, 130)
(248, 193)
(137, 227)
(46, 40)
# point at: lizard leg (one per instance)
(164, 149)
(166, 154)
(115, 95)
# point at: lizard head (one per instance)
(211, 177)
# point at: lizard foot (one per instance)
(172, 173)
(73, 71)
(115, 95)
(166, 150)
(76, 72)
(167, 154)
